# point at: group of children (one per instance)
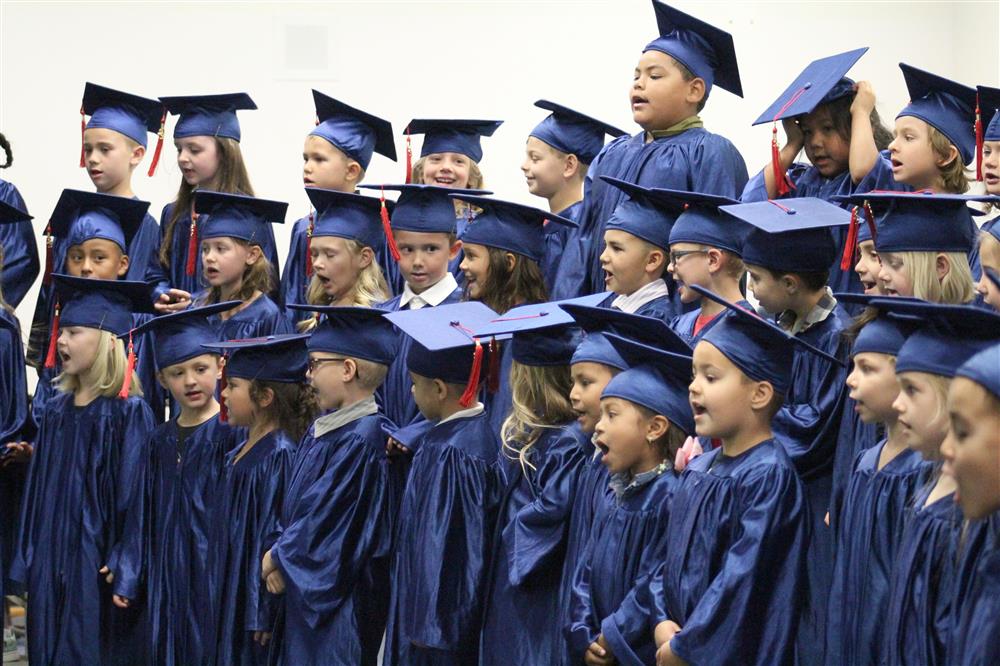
(455, 429)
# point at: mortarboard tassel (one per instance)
(387, 227)
(409, 157)
(50, 354)
(309, 241)
(493, 370)
(129, 369)
(852, 240)
(159, 145)
(870, 219)
(472, 387)
(223, 411)
(979, 141)
(192, 245)
(49, 259)
(781, 182)
(83, 128)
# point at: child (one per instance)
(645, 419)
(635, 256)
(265, 394)
(343, 252)
(207, 137)
(988, 150)
(336, 155)
(17, 241)
(989, 256)
(164, 562)
(672, 82)
(868, 264)
(448, 516)
(558, 153)
(82, 481)
(233, 263)
(972, 455)
(921, 589)
(331, 556)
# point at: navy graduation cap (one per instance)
(208, 115)
(275, 358)
(790, 235)
(761, 349)
(11, 214)
(509, 226)
(572, 132)
(988, 108)
(701, 222)
(943, 104)
(656, 379)
(347, 215)
(705, 50)
(984, 369)
(179, 336)
(647, 330)
(356, 133)
(645, 214)
(124, 113)
(452, 136)
(106, 305)
(355, 332)
(81, 216)
(424, 208)
(235, 215)
(882, 335)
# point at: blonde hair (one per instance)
(256, 277)
(540, 402)
(369, 288)
(107, 373)
(956, 287)
(954, 178)
(370, 374)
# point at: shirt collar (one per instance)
(641, 296)
(432, 296)
(624, 484)
(826, 305)
(475, 410)
(344, 415)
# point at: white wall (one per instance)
(405, 59)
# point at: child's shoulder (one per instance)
(473, 435)
(391, 305)
(767, 458)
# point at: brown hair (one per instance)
(840, 117)
(811, 280)
(506, 287)
(5, 145)
(671, 442)
(231, 178)
(954, 178)
(293, 408)
(256, 277)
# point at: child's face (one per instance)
(109, 157)
(989, 257)
(868, 267)
(972, 448)
(660, 97)
(826, 149)
(627, 262)
(77, 347)
(873, 387)
(621, 435)
(96, 258)
(719, 393)
(326, 376)
(192, 382)
(325, 166)
(589, 380)
(921, 414)
(223, 261)
(991, 166)
(913, 160)
(447, 170)
(240, 406)
(424, 257)
(688, 269)
(476, 268)
(335, 266)
(544, 169)
(426, 395)
(198, 159)
(894, 276)
(770, 291)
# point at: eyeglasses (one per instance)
(316, 362)
(676, 256)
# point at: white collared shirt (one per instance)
(475, 410)
(641, 296)
(344, 415)
(432, 296)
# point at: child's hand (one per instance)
(120, 601)
(393, 448)
(266, 565)
(864, 99)
(826, 519)
(599, 654)
(662, 635)
(18, 452)
(666, 657)
(173, 300)
(794, 139)
(275, 582)
(262, 638)
(109, 576)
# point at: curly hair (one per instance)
(293, 408)
(540, 402)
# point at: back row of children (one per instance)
(284, 524)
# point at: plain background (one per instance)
(399, 60)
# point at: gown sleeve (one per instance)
(20, 253)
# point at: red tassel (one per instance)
(979, 142)
(387, 227)
(159, 145)
(49, 259)
(223, 412)
(192, 254)
(852, 240)
(472, 388)
(83, 128)
(781, 182)
(493, 372)
(409, 158)
(870, 219)
(309, 240)
(129, 369)
(50, 355)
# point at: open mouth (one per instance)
(64, 357)
(602, 446)
(307, 182)
(444, 181)
(896, 164)
(638, 100)
(193, 395)
(94, 173)
(211, 273)
(868, 284)
(698, 409)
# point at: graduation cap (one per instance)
(11, 214)
(882, 335)
(988, 106)
(655, 379)
(597, 321)
(348, 215)
(208, 115)
(81, 216)
(948, 335)
(701, 222)
(572, 132)
(509, 226)
(645, 214)
(945, 105)
(236, 215)
(356, 133)
(443, 344)
(450, 136)
(424, 208)
(984, 369)
(106, 305)
(354, 332)
(790, 235)
(705, 50)
(759, 348)
(179, 336)
(124, 113)
(275, 358)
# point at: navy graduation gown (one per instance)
(20, 254)
(869, 529)
(663, 308)
(81, 482)
(622, 549)
(250, 501)
(13, 418)
(499, 404)
(922, 587)
(557, 237)
(854, 437)
(259, 319)
(294, 285)
(529, 552)
(334, 547)
(976, 605)
(695, 160)
(445, 538)
(683, 324)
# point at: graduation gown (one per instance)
(622, 549)
(557, 236)
(662, 307)
(250, 501)
(869, 530)
(259, 319)
(529, 552)
(499, 404)
(445, 538)
(695, 160)
(919, 613)
(683, 324)
(13, 417)
(20, 253)
(334, 547)
(976, 605)
(81, 481)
